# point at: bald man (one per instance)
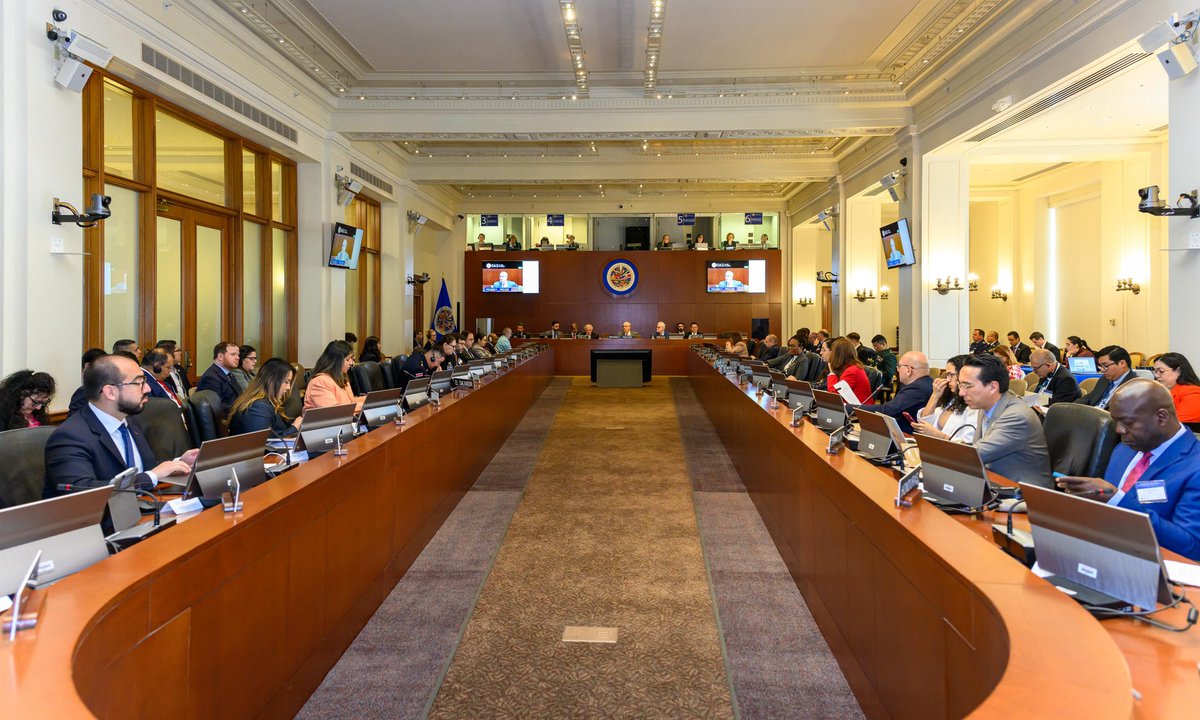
(915, 388)
(1056, 380)
(1155, 469)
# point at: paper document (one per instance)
(846, 393)
(180, 506)
(1041, 399)
(1183, 573)
(5, 603)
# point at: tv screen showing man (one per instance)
(343, 251)
(503, 277)
(728, 279)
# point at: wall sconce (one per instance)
(827, 276)
(973, 283)
(804, 302)
(998, 294)
(884, 292)
(943, 286)
(96, 211)
(1128, 284)
(863, 295)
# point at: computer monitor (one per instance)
(441, 381)
(879, 435)
(319, 427)
(1088, 545)
(953, 471)
(379, 407)
(800, 395)
(416, 393)
(831, 410)
(66, 529)
(1081, 364)
(219, 459)
(760, 376)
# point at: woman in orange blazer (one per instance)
(330, 384)
(1176, 374)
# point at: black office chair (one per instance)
(164, 427)
(874, 377)
(818, 369)
(397, 366)
(366, 377)
(206, 409)
(389, 374)
(23, 465)
(1080, 439)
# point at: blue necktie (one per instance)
(128, 440)
(1104, 400)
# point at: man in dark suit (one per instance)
(421, 365)
(694, 332)
(1020, 349)
(589, 332)
(866, 355)
(1039, 342)
(102, 439)
(520, 333)
(554, 332)
(768, 349)
(1057, 380)
(217, 377)
(1008, 434)
(660, 330)
(79, 398)
(1114, 364)
(156, 365)
(915, 389)
(1156, 468)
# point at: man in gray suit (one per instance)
(1007, 434)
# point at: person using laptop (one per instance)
(330, 384)
(1114, 365)
(916, 387)
(1056, 380)
(1008, 434)
(261, 406)
(104, 439)
(1155, 469)
(945, 416)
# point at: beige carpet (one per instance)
(604, 536)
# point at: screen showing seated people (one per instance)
(343, 251)
(511, 276)
(748, 276)
(897, 244)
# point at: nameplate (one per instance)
(909, 482)
(180, 506)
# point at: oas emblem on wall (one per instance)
(620, 277)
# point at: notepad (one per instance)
(1183, 573)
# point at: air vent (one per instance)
(206, 87)
(368, 176)
(1065, 94)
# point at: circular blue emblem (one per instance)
(620, 277)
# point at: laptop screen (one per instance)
(1081, 364)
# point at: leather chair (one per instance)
(23, 464)
(874, 377)
(1032, 381)
(163, 425)
(205, 408)
(366, 377)
(1086, 386)
(1080, 439)
(389, 374)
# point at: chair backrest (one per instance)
(1018, 387)
(397, 366)
(818, 369)
(366, 377)
(389, 374)
(205, 409)
(935, 372)
(1080, 439)
(1032, 381)
(163, 425)
(1086, 386)
(1137, 359)
(23, 464)
(874, 376)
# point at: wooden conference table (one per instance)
(242, 615)
(927, 617)
(573, 357)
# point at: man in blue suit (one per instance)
(1156, 469)
(915, 389)
(217, 377)
(103, 439)
(156, 364)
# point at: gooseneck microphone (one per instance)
(960, 429)
(154, 499)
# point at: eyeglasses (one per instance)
(39, 403)
(1160, 371)
(902, 365)
(949, 374)
(967, 385)
(139, 382)
(1105, 367)
(1040, 365)
(251, 357)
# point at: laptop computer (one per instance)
(379, 408)
(1101, 555)
(441, 381)
(1081, 364)
(800, 395)
(319, 428)
(416, 393)
(831, 410)
(953, 472)
(218, 459)
(125, 512)
(879, 436)
(66, 529)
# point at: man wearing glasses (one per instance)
(1114, 364)
(102, 439)
(915, 389)
(1008, 434)
(1057, 380)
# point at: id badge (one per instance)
(1150, 492)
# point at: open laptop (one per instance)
(800, 395)
(319, 428)
(1081, 364)
(879, 436)
(125, 512)
(1100, 554)
(66, 529)
(441, 381)
(218, 459)
(831, 410)
(953, 472)
(379, 408)
(416, 393)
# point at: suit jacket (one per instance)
(588, 336)
(178, 382)
(1022, 352)
(1177, 521)
(796, 366)
(768, 353)
(1061, 386)
(1053, 349)
(1097, 394)
(260, 415)
(156, 388)
(1013, 444)
(911, 399)
(216, 379)
(78, 401)
(81, 452)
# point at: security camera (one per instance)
(1186, 206)
(58, 15)
(97, 210)
(98, 207)
(1150, 199)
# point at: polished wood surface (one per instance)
(671, 287)
(574, 357)
(242, 615)
(929, 619)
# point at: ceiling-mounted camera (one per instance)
(1152, 204)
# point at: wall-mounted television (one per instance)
(511, 276)
(736, 276)
(346, 244)
(897, 244)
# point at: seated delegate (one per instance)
(420, 365)
(627, 330)
(217, 377)
(1176, 374)
(916, 388)
(945, 415)
(24, 396)
(330, 384)
(844, 366)
(261, 406)
(1056, 380)
(1008, 434)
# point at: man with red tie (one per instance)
(1155, 469)
(157, 366)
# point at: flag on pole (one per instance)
(443, 315)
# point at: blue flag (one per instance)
(443, 315)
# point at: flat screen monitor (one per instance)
(345, 246)
(736, 276)
(416, 393)
(1081, 364)
(952, 471)
(897, 244)
(379, 407)
(831, 410)
(441, 381)
(320, 427)
(511, 276)
(218, 459)
(66, 529)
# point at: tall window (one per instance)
(201, 245)
(362, 285)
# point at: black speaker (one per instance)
(637, 237)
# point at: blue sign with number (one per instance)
(685, 219)
(489, 220)
(554, 221)
(754, 218)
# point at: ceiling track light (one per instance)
(575, 47)
(654, 33)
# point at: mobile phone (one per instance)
(908, 417)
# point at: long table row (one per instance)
(926, 616)
(242, 615)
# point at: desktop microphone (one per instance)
(287, 448)
(1017, 543)
(155, 500)
(960, 429)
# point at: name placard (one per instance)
(754, 218)
(489, 221)
(685, 219)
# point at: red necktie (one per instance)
(1136, 473)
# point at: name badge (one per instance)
(1151, 491)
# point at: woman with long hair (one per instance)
(1010, 361)
(260, 407)
(735, 344)
(945, 415)
(1078, 347)
(371, 352)
(24, 396)
(844, 365)
(1176, 374)
(244, 372)
(330, 382)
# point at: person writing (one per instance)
(261, 406)
(945, 415)
(1056, 379)
(330, 384)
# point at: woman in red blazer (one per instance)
(844, 365)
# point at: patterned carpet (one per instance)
(605, 535)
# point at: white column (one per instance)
(943, 252)
(1183, 266)
(909, 286)
(321, 305)
(805, 243)
(860, 270)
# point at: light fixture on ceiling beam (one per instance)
(575, 47)
(654, 34)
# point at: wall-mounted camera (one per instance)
(96, 211)
(74, 49)
(1152, 204)
(418, 279)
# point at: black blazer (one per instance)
(1061, 386)
(414, 367)
(1093, 398)
(769, 353)
(911, 398)
(216, 379)
(1022, 352)
(1054, 349)
(156, 388)
(260, 415)
(78, 401)
(81, 452)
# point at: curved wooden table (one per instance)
(927, 617)
(242, 615)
